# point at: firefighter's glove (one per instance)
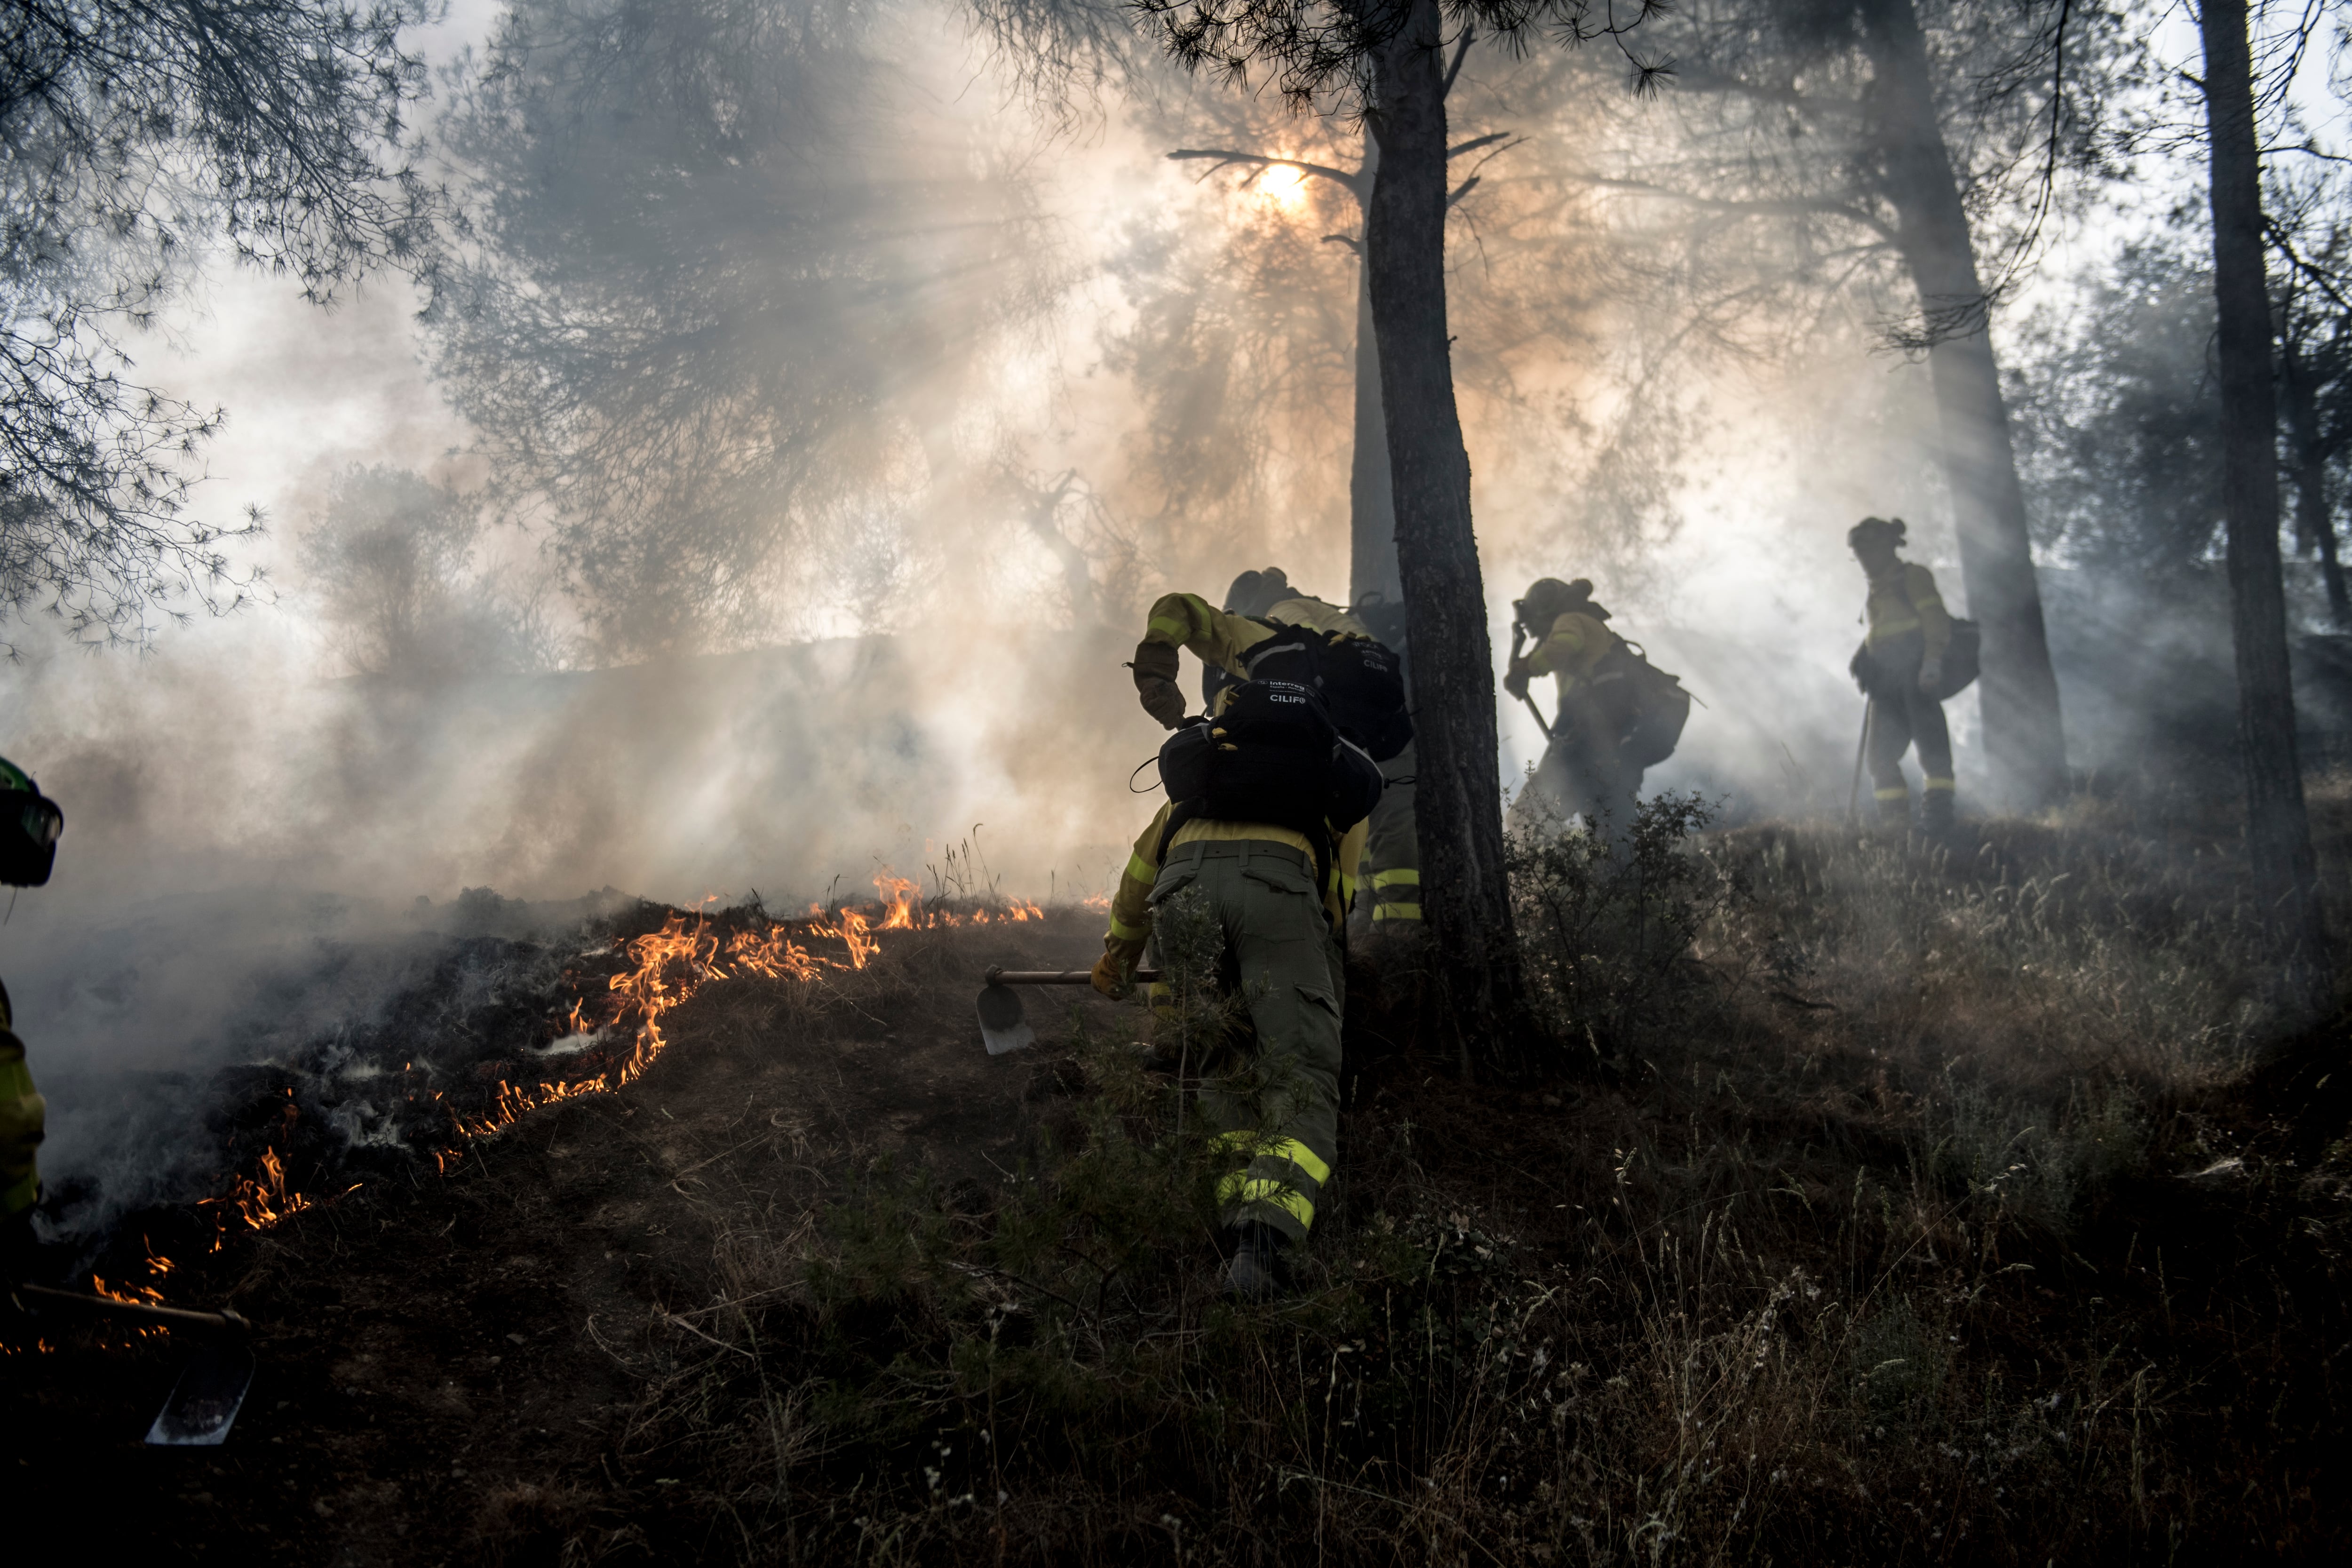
(1110, 974)
(1514, 679)
(1155, 683)
(1931, 676)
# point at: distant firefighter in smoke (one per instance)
(1260, 798)
(1618, 716)
(29, 825)
(1913, 657)
(1268, 630)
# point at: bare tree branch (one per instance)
(1351, 182)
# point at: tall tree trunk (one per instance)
(1465, 893)
(1371, 504)
(2331, 569)
(2023, 738)
(2314, 525)
(2278, 833)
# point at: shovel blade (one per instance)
(1003, 1025)
(206, 1400)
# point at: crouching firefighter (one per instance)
(29, 825)
(1268, 630)
(1618, 715)
(1914, 656)
(1259, 799)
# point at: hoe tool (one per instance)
(1003, 1025)
(1861, 750)
(210, 1392)
(1518, 636)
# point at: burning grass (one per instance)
(1914, 1212)
(1911, 1204)
(587, 1024)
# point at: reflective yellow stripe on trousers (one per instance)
(1391, 900)
(1241, 1189)
(1258, 1145)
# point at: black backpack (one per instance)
(1360, 679)
(29, 825)
(1654, 706)
(1273, 755)
(1963, 660)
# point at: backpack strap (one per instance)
(1286, 638)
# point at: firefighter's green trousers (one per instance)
(1901, 717)
(22, 1115)
(1393, 848)
(1277, 1102)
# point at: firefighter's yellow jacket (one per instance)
(1571, 650)
(23, 1114)
(1905, 600)
(1215, 637)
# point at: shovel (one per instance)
(1518, 635)
(210, 1392)
(1003, 1025)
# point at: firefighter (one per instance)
(1260, 797)
(29, 825)
(1240, 641)
(1388, 870)
(1585, 769)
(1900, 668)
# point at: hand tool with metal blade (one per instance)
(1861, 751)
(1004, 1027)
(1518, 636)
(211, 1389)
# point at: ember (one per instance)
(136, 1294)
(614, 1033)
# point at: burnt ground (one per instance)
(441, 1355)
(556, 1352)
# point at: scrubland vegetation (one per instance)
(1902, 1202)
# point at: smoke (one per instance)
(860, 594)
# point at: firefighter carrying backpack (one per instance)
(1654, 706)
(1963, 661)
(1360, 679)
(1272, 755)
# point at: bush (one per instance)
(1606, 924)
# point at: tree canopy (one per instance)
(133, 139)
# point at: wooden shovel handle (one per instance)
(997, 976)
(177, 1317)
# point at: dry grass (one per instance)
(1920, 1215)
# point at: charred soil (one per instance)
(1902, 1204)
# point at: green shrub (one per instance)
(1606, 923)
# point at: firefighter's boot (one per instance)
(1259, 1268)
(1894, 808)
(1936, 809)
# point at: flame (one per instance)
(132, 1293)
(129, 1295)
(772, 955)
(898, 899)
(262, 1201)
(854, 936)
(662, 970)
